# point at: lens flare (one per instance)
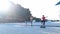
(4, 5)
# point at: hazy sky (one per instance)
(41, 7)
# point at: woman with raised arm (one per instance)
(43, 21)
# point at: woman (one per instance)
(43, 19)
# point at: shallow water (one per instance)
(22, 28)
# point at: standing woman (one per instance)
(43, 19)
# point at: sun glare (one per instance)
(4, 5)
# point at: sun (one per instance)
(4, 5)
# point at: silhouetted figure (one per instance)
(26, 22)
(31, 19)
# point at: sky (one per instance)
(41, 7)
